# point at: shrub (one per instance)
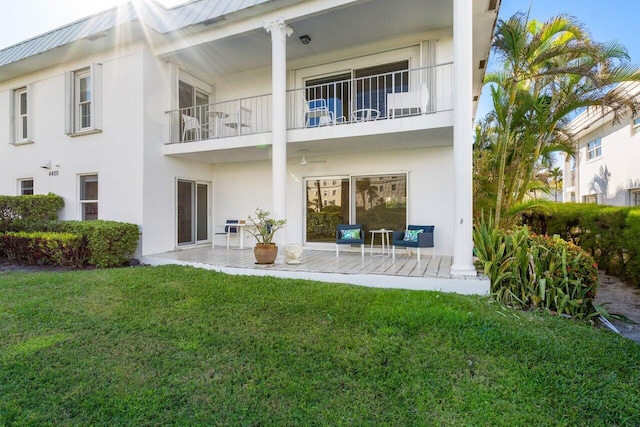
(108, 243)
(28, 213)
(608, 233)
(64, 249)
(537, 272)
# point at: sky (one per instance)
(607, 21)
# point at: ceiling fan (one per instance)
(305, 162)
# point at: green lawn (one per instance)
(181, 346)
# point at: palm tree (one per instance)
(555, 174)
(550, 70)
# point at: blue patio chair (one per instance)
(415, 236)
(228, 231)
(349, 234)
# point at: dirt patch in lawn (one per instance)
(620, 298)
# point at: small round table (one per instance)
(384, 233)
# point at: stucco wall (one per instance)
(114, 154)
(616, 171)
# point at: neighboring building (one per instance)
(179, 119)
(605, 169)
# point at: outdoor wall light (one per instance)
(305, 39)
(46, 164)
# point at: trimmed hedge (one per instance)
(537, 272)
(610, 234)
(108, 243)
(64, 249)
(29, 213)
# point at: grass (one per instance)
(180, 346)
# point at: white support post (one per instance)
(279, 32)
(462, 138)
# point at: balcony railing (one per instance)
(385, 96)
(244, 116)
(382, 96)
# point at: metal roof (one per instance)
(154, 15)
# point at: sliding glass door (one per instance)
(380, 202)
(192, 212)
(327, 206)
(375, 201)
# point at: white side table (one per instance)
(384, 234)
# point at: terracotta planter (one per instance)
(265, 254)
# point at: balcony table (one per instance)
(365, 115)
(216, 117)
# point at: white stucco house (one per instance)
(180, 119)
(605, 169)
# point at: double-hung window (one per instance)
(22, 115)
(594, 149)
(25, 186)
(83, 112)
(88, 197)
(635, 197)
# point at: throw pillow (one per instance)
(351, 234)
(411, 235)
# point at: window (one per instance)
(594, 149)
(635, 126)
(635, 197)
(88, 197)
(83, 100)
(25, 186)
(591, 198)
(21, 106)
(193, 102)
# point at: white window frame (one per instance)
(594, 149)
(634, 197)
(635, 126)
(590, 198)
(22, 188)
(73, 110)
(17, 125)
(82, 202)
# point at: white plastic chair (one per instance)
(190, 124)
(240, 120)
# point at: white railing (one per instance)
(243, 116)
(391, 95)
(382, 96)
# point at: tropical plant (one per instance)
(537, 272)
(264, 226)
(550, 71)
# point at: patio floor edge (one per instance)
(479, 285)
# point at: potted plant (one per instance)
(263, 229)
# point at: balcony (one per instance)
(396, 101)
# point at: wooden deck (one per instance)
(405, 272)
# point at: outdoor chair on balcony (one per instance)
(226, 230)
(191, 126)
(415, 236)
(240, 121)
(316, 113)
(408, 103)
(349, 234)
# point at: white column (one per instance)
(279, 32)
(462, 138)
